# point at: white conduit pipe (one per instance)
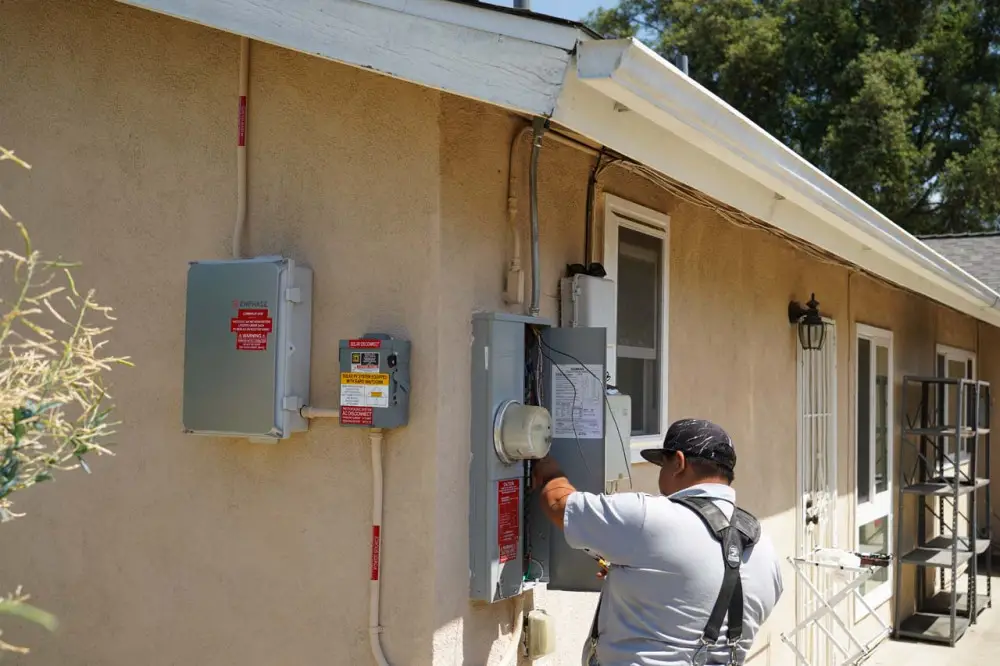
(513, 182)
(374, 628)
(241, 150)
(308, 412)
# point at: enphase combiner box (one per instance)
(529, 399)
(246, 348)
(374, 382)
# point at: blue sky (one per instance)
(571, 9)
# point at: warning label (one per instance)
(251, 326)
(355, 415)
(364, 361)
(364, 389)
(508, 518)
(364, 344)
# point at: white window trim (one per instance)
(618, 213)
(956, 354)
(881, 504)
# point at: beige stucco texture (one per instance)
(187, 550)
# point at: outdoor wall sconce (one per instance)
(812, 330)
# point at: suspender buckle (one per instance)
(733, 652)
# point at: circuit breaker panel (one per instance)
(246, 347)
(574, 374)
(374, 382)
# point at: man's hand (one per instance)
(553, 488)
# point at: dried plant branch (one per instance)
(54, 408)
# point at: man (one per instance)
(666, 569)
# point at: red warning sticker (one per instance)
(355, 415)
(508, 518)
(364, 344)
(251, 326)
(376, 550)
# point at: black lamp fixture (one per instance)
(812, 330)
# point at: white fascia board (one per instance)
(750, 166)
(442, 45)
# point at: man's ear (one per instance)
(680, 463)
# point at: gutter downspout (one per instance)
(538, 126)
(241, 150)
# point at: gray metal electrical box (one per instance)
(496, 490)
(374, 382)
(574, 372)
(246, 348)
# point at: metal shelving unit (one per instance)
(951, 412)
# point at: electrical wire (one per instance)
(572, 411)
(607, 402)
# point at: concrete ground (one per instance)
(980, 645)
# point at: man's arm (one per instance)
(607, 525)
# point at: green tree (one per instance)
(895, 99)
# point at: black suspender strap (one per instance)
(734, 535)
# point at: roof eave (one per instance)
(639, 80)
(499, 58)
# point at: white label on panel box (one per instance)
(577, 402)
(363, 389)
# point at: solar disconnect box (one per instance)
(247, 347)
(374, 382)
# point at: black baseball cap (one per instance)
(695, 438)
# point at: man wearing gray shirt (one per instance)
(664, 597)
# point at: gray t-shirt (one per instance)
(665, 576)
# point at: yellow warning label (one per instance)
(364, 379)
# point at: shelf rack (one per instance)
(952, 415)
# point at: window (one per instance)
(636, 258)
(873, 448)
(954, 363)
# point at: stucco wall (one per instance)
(221, 552)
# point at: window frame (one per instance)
(620, 213)
(879, 505)
(966, 356)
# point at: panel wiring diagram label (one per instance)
(508, 518)
(577, 401)
(364, 389)
(251, 326)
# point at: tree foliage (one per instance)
(895, 99)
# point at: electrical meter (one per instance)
(521, 432)
(374, 382)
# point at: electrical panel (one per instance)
(536, 390)
(497, 479)
(374, 382)
(587, 301)
(246, 348)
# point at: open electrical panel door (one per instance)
(573, 383)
